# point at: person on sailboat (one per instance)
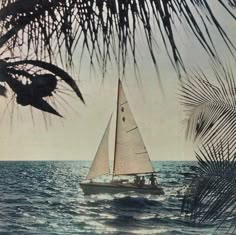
(137, 180)
(128, 143)
(142, 181)
(153, 180)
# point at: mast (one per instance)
(117, 104)
(130, 153)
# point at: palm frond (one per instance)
(211, 118)
(210, 198)
(232, 3)
(33, 81)
(107, 29)
(211, 108)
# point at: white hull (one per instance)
(113, 188)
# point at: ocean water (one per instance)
(45, 198)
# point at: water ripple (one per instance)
(45, 198)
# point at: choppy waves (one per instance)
(45, 198)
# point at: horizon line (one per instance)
(84, 160)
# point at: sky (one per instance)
(77, 136)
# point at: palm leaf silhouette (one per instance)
(33, 81)
(210, 108)
(48, 30)
(210, 198)
(107, 28)
(211, 113)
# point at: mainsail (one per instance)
(131, 156)
(100, 165)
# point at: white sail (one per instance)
(100, 165)
(131, 156)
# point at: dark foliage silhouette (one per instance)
(210, 108)
(43, 30)
(107, 29)
(31, 82)
(210, 198)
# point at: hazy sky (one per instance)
(77, 136)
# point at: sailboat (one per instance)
(130, 157)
